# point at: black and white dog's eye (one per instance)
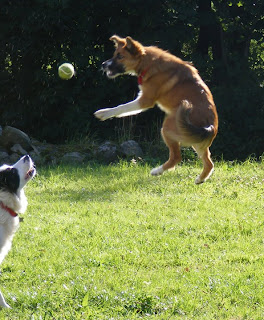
(13, 170)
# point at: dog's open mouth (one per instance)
(114, 71)
(110, 74)
(30, 173)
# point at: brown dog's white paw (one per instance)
(198, 180)
(104, 114)
(157, 171)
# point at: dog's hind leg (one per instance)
(208, 166)
(3, 303)
(174, 149)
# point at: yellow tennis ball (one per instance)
(66, 71)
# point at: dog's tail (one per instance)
(191, 132)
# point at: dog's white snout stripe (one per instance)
(108, 63)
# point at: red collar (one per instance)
(141, 76)
(9, 210)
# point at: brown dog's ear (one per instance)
(117, 41)
(133, 46)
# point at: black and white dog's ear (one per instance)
(2, 178)
(9, 180)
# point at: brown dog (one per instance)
(176, 87)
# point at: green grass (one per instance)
(112, 242)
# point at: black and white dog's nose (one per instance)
(26, 158)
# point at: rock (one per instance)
(11, 136)
(4, 158)
(107, 152)
(51, 160)
(14, 143)
(18, 149)
(46, 149)
(131, 148)
(14, 158)
(2, 149)
(73, 157)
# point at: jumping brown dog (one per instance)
(176, 87)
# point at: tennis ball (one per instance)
(66, 71)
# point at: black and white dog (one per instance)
(12, 201)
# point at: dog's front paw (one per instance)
(157, 171)
(104, 114)
(198, 180)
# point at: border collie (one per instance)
(12, 201)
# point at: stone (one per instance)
(4, 158)
(131, 148)
(18, 149)
(14, 158)
(11, 136)
(73, 157)
(107, 152)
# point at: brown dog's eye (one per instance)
(119, 56)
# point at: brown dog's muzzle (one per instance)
(112, 68)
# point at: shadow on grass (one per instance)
(92, 181)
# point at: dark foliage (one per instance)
(223, 38)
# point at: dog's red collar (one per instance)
(141, 76)
(9, 210)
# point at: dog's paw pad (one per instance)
(157, 171)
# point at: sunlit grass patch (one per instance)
(113, 242)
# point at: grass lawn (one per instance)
(112, 242)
